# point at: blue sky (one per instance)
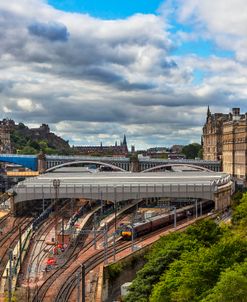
(94, 70)
(118, 9)
(108, 9)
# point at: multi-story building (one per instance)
(235, 145)
(116, 150)
(225, 138)
(212, 135)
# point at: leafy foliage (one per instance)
(206, 263)
(231, 287)
(164, 252)
(192, 151)
(24, 145)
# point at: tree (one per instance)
(192, 150)
(231, 287)
(34, 144)
(240, 212)
(167, 250)
(28, 150)
(197, 272)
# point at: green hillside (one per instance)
(207, 263)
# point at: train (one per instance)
(157, 222)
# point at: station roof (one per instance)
(124, 178)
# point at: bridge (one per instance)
(120, 186)
(46, 163)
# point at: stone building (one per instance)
(225, 138)
(212, 135)
(234, 143)
(116, 150)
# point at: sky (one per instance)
(95, 70)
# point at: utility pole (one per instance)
(115, 216)
(196, 210)
(43, 199)
(105, 244)
(94, 231)
(78, 286)
(101, 205)
(56, 185)
(175, 216)
(83, 286)
(20, 246)
(201, 208)
(114, 247)
(132, 234)
(115, 210)
(63, 232)
(10, 276)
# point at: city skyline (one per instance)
(95, 70)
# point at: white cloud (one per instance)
(225, 21)
(94, 80)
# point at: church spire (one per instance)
(208, 112)
(124, 141)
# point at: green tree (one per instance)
(191, 151)
(28, 150)
(231, 287)
(197, 272)
(167, 250)
(34, 144)
(240, 212)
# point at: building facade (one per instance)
(225, 138)
(116, 150)
(212, 135)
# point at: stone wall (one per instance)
(123, 271)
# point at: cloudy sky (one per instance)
(94, 70)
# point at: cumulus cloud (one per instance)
(223, 21)
(94, 79)
(50, 31)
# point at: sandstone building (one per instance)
(225, 138)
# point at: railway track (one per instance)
(9, 240)
(71, 256)
(3, 219)
(69, 285)
(37, 253)
(41, 292)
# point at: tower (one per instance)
(124, 141)
(208, 113)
